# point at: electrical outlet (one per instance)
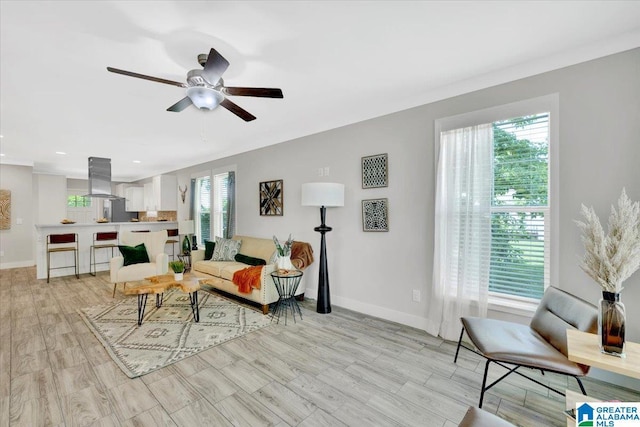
(326, 171)
(416, 295)
(320, 172)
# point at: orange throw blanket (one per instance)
(248, 278)
(301, 255)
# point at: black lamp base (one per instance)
(324, 295)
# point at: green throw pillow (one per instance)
(134, 254)
(226, 249)
(209, 246)
(246, 259)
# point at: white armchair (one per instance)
(158, 263)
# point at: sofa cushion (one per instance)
(230, 268)
(209, 246)
(226, 249)
(134, 254)
(249, 260)
(223, 269)
(256, 247)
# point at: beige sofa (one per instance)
(220, 273)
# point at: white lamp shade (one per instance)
(204, 98)
(185, 227)
(326, 194)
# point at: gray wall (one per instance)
(17, 242)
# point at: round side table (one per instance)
(286, 282)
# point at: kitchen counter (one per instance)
(85, 240)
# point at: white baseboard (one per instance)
(377, 311)
(17, 264)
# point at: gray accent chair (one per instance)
(540, 345)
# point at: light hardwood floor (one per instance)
(341, 369)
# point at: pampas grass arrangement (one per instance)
(612, 258)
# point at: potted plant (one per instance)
(284, 254)
(610, 259)
(178, 269)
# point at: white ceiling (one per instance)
(336, 62)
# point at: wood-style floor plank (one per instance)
(341, 369)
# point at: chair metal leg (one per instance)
(484, 382)
(455, 359)
(581, 386)
(48, 265)
(92, 260)
(77, 261)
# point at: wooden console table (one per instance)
(583, 348)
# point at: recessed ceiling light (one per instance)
(62, 153)
(1, 154)
(137, 161)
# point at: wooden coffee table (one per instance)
(157, 285)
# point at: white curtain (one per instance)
(462, 229)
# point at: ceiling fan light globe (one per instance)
(204, 98)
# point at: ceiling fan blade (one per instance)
(262, 92)
(238, 111)
(142, 76)
(215, 66)
(180, 105)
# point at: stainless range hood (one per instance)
(100, 178)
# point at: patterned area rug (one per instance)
(167, 334)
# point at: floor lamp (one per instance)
(324, 195)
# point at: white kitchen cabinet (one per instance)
(161, 194)
(134, 199)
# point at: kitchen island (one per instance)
(85, 233)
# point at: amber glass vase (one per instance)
(611, 324)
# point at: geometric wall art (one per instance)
(375, 171)
(5, 209)
(375, 215)
(271, 198)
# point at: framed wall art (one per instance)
(5, 209)
(375, 215)
(375, 171)
(271, 198)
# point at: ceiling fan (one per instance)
(206, 89)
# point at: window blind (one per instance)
(203, 208)
(221, 198)
(519, 209)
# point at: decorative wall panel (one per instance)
(5, 209)
(271, 198)
(375, 171)
(375, 215)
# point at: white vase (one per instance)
(284, 263)
(178, 276)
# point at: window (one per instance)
(75, 201)
(520, 206)
(202, 205)
(214, 205)
(522, 172)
